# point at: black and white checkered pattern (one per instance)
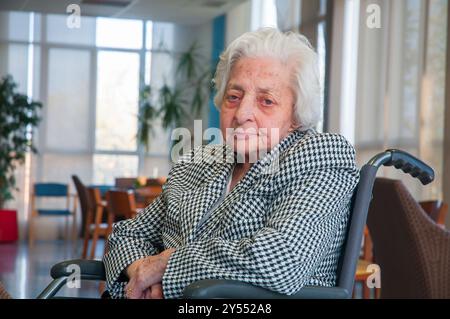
(280, 231)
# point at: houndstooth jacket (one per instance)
(280, 228)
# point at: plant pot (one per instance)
(8, 225)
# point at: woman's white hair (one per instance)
(288, 47)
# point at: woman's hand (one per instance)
(146, 275)
(154, 292)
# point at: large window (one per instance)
(89, 80)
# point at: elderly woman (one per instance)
(233, 220)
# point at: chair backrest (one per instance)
(83, 198)
(121, 204)
(95, 198)
(102, 188)
(50, 190)
(82, 195)
(410, 248)
(436, 209)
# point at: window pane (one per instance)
(117, 100)
(163, 36)
(162, 69)
(108, 167)
(57, 30)
(68, 100)
(59, 168)
(14, 61)
(119, 33)
(14, 25)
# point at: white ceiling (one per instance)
(178, 11)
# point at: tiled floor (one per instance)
(25, 272)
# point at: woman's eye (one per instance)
(267, 102)
(232, 98)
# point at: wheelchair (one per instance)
(214, 288)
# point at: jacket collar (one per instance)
(216, 178)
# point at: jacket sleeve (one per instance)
(282, 255)
(133, 239)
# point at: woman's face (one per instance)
(258, 106)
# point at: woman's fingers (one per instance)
(129, 289)
(148, 293)
(146, 276)
(156, 291)
(133, 290)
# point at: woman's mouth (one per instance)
(242, 134)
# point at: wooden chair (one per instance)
(52, 190)
(88, 211)
(95, 227)
(436, 209)
(121, 204)
(82, 193)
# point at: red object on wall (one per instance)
(8, 225)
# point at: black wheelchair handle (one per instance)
(406, 162)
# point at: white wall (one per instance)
(185, 36)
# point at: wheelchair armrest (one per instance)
(89, 269)
(60, 272)
(214, 288)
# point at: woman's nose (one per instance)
(245, 110)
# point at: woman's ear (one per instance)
(295, 124)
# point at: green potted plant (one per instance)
(179, 104)
(18, 117)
